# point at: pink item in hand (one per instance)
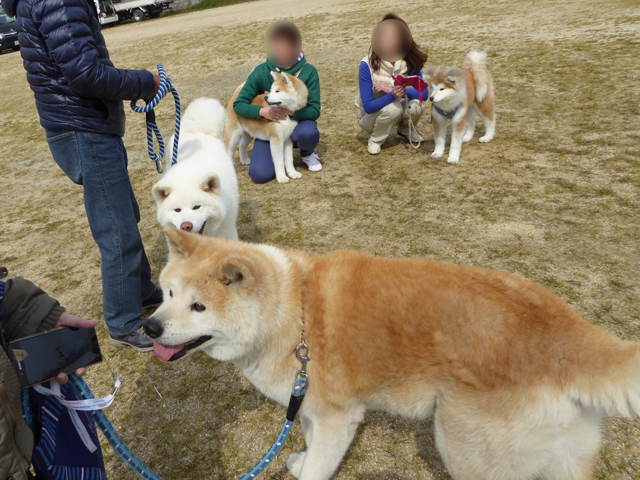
(412, 81)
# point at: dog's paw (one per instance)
(295, 175)
(467, 137)
(485, 139)
(453, 160)
(437, 154)
(245, 161)
(295, 462)
(283, 179)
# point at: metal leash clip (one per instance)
(302, 354)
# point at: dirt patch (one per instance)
(554, 198)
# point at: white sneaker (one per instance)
(313, 162)
(373, 148)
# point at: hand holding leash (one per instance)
(398, 92)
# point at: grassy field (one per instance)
(554, 198)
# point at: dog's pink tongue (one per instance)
(164, 353)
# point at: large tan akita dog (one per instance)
(518, 383)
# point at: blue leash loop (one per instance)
(297, 395)
(152, 126)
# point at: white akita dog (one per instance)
(287, 92)
(200, 192)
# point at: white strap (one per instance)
(91, 404)
(87, 405)
(82, 431)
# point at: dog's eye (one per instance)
(177, 210)
(196, 207)
(171, 293)
(197, 307)
(277, 91)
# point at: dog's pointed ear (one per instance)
(429, 73)
(239, 272)
(454, 77)
(211, 184)
(274, 75)
(181, 243)
(160, 192)
(287, 78)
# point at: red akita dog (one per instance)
(518, 383)
(458, 95)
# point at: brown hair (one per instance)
(287, 30)
(415, 57)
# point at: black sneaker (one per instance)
(152, 301)
(136, 340)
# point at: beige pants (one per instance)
(380, 123)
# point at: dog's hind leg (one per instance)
(471, 125)
(245, 140)
(331, 436)
(580, 444)
(288, 160)
(439, 133)
(277, 155)
(232, 139)
(487, 114)
(457, 135)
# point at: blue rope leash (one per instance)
(152, 126)
(297, 395)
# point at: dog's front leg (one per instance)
(439, 133)
(277, 155)
(330, 437)
(457, 135)
(295, 461)
(288, 160)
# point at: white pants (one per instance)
(380, 123)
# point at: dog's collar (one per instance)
(448, 115)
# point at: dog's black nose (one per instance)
(431, 98)
(266, 98)
(153, 328)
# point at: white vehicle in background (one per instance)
(106, 12)
(140, 9)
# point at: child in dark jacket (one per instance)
(284, 55)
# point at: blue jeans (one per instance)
(99, 162)
(305, 137)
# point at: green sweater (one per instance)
(260, 81)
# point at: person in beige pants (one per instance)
(380, 124)
(380, 106)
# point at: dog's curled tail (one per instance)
(476, 62)
(205, 115)
(604, 373)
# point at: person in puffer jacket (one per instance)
(79, 96)
(24, 310)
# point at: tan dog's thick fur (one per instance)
(518, 383)
(288, 92)
(459, 95)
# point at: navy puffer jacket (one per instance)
(75, 84)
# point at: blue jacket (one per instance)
(75, 84)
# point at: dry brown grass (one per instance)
(554, 198)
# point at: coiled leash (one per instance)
(421, 86)
(152, 126)
(297, 395)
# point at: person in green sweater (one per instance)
(284, 54)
